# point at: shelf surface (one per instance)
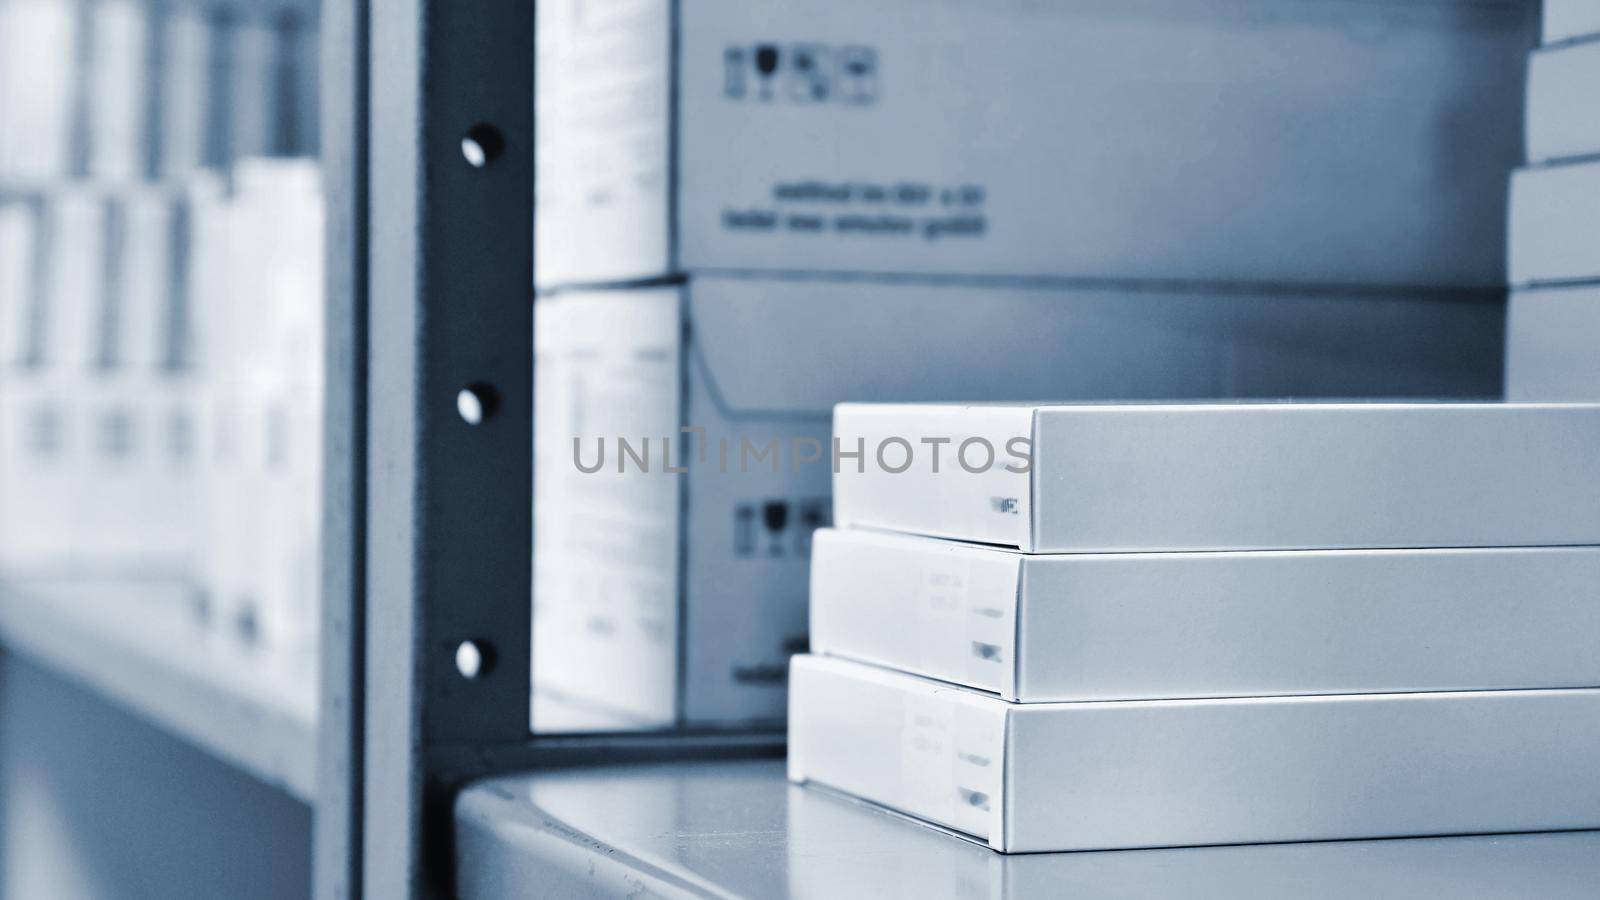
(139, 644)
(738, 829)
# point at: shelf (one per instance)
(719, 829)
(139, 645)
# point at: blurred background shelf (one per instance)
(141, 646)
(722, 829)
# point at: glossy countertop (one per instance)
(738, 829)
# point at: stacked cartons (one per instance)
(1085, 627)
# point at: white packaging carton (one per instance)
(1555, 224)
(38, 56)
(142, 318)
(253, 114)
(118, 61)
(1563, 120)
(256, 283)
(635, 571)
(1565, 20)
(1151, 626)
(186, 77)
(19, 268)
(1160, 773)
(73, 316)
(262, 485)
(1118, 477)
(1027, 140)
(1553, 344)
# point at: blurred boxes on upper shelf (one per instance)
(97, 430)
(651, 586)
(119, 90)
(1553, 323)
(1238, 141)
(160, 398)
(161, 300)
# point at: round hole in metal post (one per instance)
(482, 145)
(476, 402)
(474, 659)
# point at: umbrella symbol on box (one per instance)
(858, 74)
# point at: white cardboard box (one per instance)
(1223, 140)
(74, 280)
(634, 571)
(19, 264)
(119, 36)
(1553, 344)
(186, 74)
(1117, 477)
(1141, 626)
(142, 323)
(1563, 118)
(1555, 224)
(1161, 773)
(254, 81)
(38, 56)
(1568, 19)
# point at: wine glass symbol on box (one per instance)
(800, 73)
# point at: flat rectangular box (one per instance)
(1168, 140)
(1553, 344)
(1163, 773)
(1555, 224)
(1151, 626)
(662, 598)
(1565, 20)
(1563, 116)
(1117, 477)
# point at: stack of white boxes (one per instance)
(1112, 626)
(750, 210)
(1553, 326)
